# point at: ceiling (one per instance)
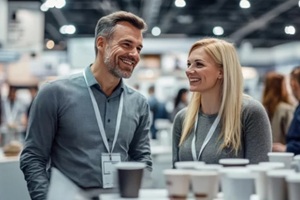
(262, 25)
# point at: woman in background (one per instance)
(219, 122)
(293, 135)
(180, 102)
(278, 105)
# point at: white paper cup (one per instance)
(205, 184)
(240, 186)
(177, 183)
(293, 183)
(260, 174)
(277, 185)
(284, 157)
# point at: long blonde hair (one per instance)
(224, 54)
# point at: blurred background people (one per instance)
(157, 109)
(13, 116)
(180, 101)
(293, 135)
(278, 105)
(220, 121)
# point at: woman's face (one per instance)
(203, 72)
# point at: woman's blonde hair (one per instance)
(225, 55)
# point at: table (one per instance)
(157, 194)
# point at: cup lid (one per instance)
(234, 161)
(188, 164)
(280, 154)
(295, 178)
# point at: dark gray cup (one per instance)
(129, 176)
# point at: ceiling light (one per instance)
(245, 4)
(180, 3)
(67, 29)
(156, 31)
(290, 30)
(50, 44)
(44, 7)
(218, 30)
(60, 3)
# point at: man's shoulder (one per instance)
(63, 81)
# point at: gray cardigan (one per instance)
(256, 136)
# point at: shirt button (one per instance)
(108, 120)
(108, 101)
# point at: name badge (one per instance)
(108, 169)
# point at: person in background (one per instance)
(220, 121)
(13, 116)
(293, 135)
(278, 105)
(158, 111)
(84, 123)
(180, 101)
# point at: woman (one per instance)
(237, 126)
(278, 105)
(180, 102)
(293, 135)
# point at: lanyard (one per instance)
(99, 119)
(10, 112)
(207, 138)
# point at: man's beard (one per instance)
(114, 68)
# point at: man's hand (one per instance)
(278, 147)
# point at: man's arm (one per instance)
(139, 148)
(40, 133)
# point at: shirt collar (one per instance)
(91, 80)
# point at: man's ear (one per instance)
(100, 42)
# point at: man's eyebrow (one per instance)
(130, 41)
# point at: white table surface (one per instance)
(157, 194)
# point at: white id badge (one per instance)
(108, 160)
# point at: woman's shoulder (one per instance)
(252, 106)
(250, 102)
(180, 115)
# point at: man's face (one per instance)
(122, 51)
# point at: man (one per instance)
(86, 122)
(293, 135)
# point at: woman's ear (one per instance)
(220, 76)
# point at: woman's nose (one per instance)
(189, 71)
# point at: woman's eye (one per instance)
(199, 65)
